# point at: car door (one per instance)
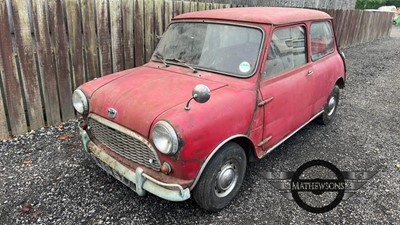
(325, 64)
(286, 86)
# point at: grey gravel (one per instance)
(45, 180)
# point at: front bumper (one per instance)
(137, 180)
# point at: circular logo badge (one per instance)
(244, 67)
(317, 186)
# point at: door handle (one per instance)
(310, 72)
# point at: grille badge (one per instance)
(112, 113)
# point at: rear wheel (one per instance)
(222, 178)
(330, 107)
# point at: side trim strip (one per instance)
(211, 155)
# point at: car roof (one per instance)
(268, 15)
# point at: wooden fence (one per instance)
(50, 47)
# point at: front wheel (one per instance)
(222, 178)
(330, 107)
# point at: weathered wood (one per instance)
(193, 6)
(103, 36)
(117, 50)
(89, 32)
(30, 82)
(344, 29)
(178, 8)
(358, 27)
(169, 12)
(139, 32)
(128, 33)
(46, 67)
(75, 41)
(148, 29)
(158, 20)
(351, 27)
(4, 134)
(3, 119)
(209, 6)
(56, 15)
(186, 7)
(202, 6)
(11, 83)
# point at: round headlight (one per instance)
(80, 102)
(165, 138)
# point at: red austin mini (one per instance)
(224, 87)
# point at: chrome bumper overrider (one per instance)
(137, 180)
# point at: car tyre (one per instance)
(221, 180)
(330, 107)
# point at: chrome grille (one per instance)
(124, 145)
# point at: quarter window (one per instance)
(321, 40)
(286, 51)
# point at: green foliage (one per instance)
(375, 4)
(393, 2)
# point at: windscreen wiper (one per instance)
(161, 57)
(181, 62)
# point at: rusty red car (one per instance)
(223, 88)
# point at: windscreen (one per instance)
(224, 48)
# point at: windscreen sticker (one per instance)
(244, 67)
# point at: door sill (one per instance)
(291, 134)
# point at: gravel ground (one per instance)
(45, 177)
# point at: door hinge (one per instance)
(266, 101)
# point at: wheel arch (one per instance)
(240, 139)
(340, 83)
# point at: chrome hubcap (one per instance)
(331, 105)
(226, 179)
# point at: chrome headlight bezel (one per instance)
(164, 138)
(80, 102)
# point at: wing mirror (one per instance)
(201, 94)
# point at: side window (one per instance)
(321, 40)
(286, 51)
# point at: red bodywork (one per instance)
(257, 114)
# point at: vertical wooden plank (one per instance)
(186, 7)
(56, 14)
(178, 8)
(158, 20)
(117, 50)
(169, 12)
(3, 120)
(11, 83)
(209, 6)
(148, 28)
(128, 33)
(89, 32)
(75, 41)
(370, 23)
(103, 36)
(343, 27)
(46, 67)
(202, 6)
(193, 6)
(29, 74)
(364, 27)
(139, 32)
(351, 28)
(358, 31)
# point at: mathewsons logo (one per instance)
(318, 186)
